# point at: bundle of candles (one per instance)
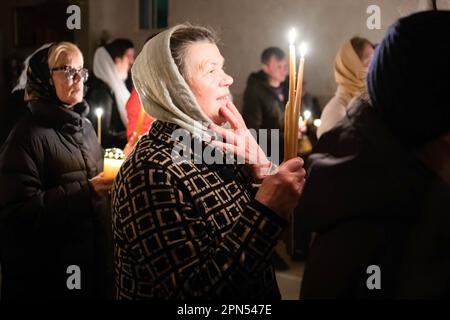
(293, 107)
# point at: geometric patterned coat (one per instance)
(188, 230)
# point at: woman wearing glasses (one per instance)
(53, 214)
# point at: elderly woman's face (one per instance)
(69, 91)
(207, 79)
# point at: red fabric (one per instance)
(133, 110)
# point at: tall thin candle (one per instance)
(99, 113)
(299, 92)
(290, 105)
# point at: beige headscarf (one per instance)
(164, 93)
(349, 71)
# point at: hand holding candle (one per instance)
(112, 162)
(101, 184)
(292, 114)
(99, 113)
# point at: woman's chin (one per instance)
(72, 102)
(219, 120)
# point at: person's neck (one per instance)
(273, 83)
(436, 156)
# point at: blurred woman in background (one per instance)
(350, 70)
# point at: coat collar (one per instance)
(59, 116)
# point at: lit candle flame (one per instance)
(303, 48)
(99, 112)
(307, 115)
(292, 35)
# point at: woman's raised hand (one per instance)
(239, 141)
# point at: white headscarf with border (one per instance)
(105, 70)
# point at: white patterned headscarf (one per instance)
(22, 81)
(164, 93)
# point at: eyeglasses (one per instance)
(70, 72)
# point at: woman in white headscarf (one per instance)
(107, 90)
(192, 228)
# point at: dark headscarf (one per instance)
(38, 83)
(409, 78)
(38, 78)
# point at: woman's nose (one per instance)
(227, 80)
(77, 78)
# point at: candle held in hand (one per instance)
(292, 65)
(298, 94)
(289, 111)
(113, 160)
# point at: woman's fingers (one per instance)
(294, 164)
(228, 135)
(228, 115)
(230, 105)
(227, 147)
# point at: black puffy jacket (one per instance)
(50, 215)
